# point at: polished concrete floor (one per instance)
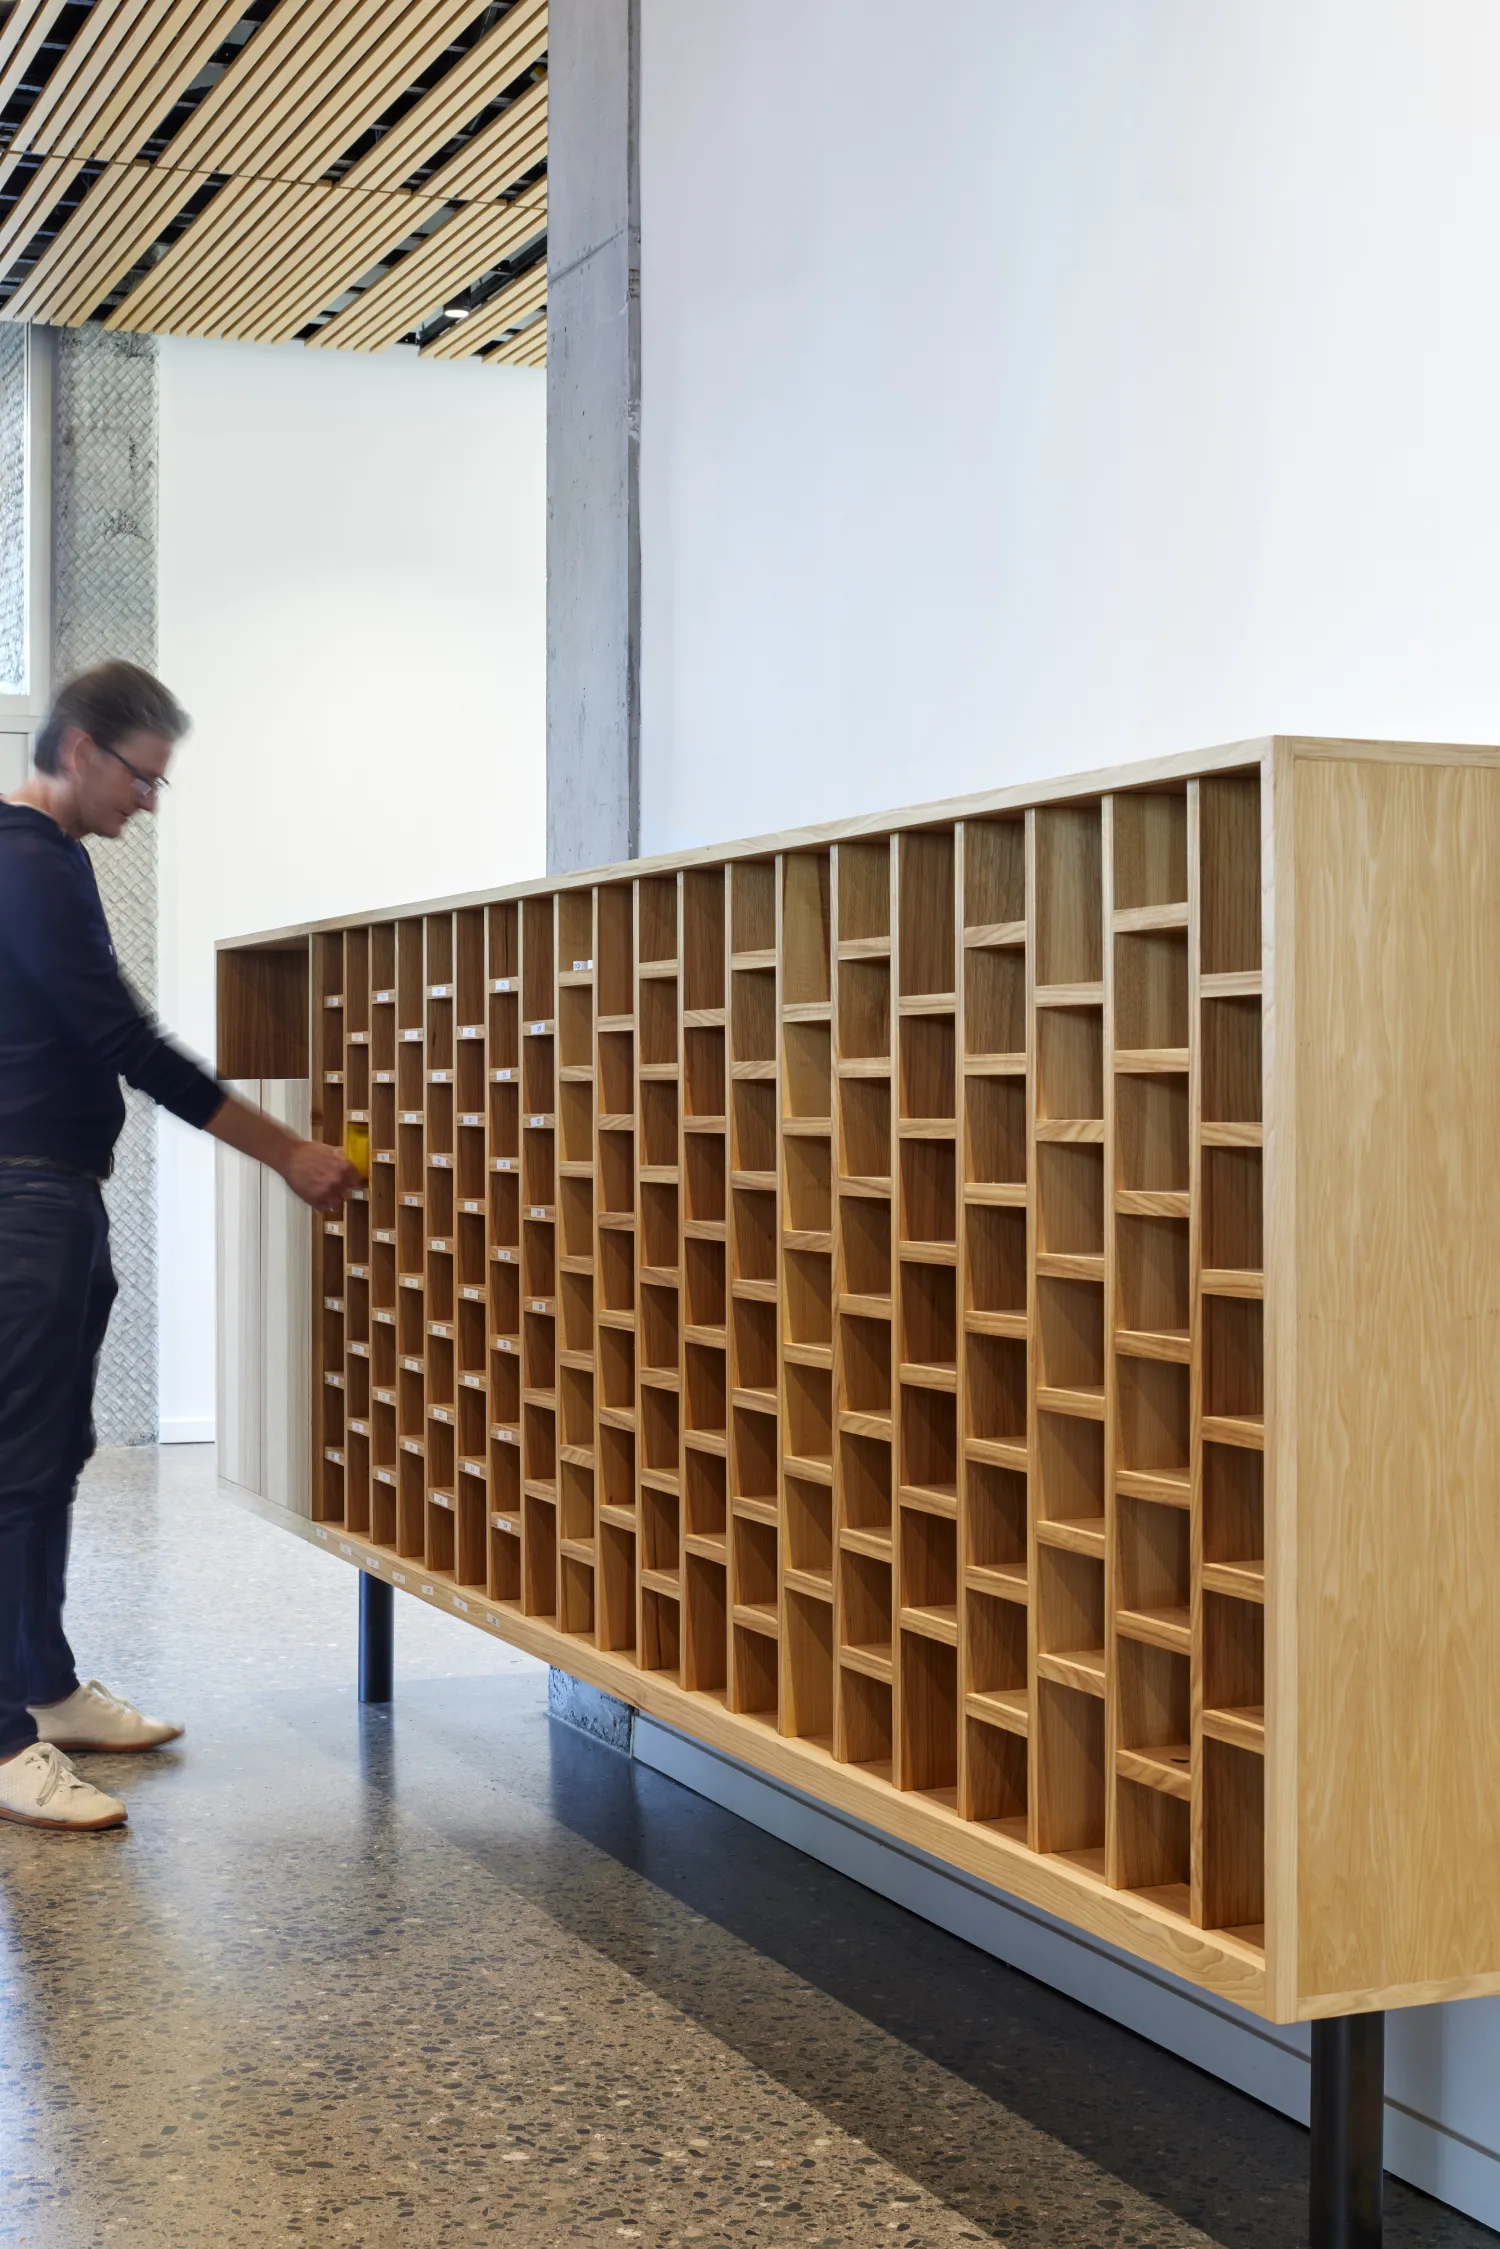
(450, 1973)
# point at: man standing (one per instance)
(70, 1029)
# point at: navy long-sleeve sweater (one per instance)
(70, 1027)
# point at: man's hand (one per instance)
(323, 1177)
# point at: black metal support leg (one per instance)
(1348, 2132)
(377, 1638)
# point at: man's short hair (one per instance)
(107, 703)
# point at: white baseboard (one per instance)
(1265, 2060)
(188, 1430)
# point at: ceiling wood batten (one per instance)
(356, 173)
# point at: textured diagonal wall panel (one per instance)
(104, 604)
(13, 505)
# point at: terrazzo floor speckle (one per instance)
(450, 1973)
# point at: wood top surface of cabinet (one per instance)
(990, 1314)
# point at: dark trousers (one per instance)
(56, 1290)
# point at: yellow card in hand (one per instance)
(357, 1148)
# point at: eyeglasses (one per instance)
(146, 785)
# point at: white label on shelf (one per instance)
(441, 1413)
(440, 991)
(384, 1077)
(411, 1038)
(471, 1204)
(359, 1272)
(334, 1303)
(504, 1163)
(425, 1589)
(398, 1577)
(360, 1428)
(502, 1343)
(441, 1163)
(538, 1210)
(471, 1030)
(502, 1077)
(333, 999)
(471, 1116)
(504, 1256)
(359, 1116)
(440, 1328)
(412, 1366)
(474, 1294)
(384, 999)
(385, 1233)
(336, 1380)
(471, 1381)
(459, 1603)
(411, 1116)
(331, 1452)
(582, 968)
(506, 1436)
(345, 1547)
(539, 1304)
(412, 1202)
(333, 1077)
(535, 1121)
(385, 1397)
(323, 1535)
(359, 1350)
(385, 1475)
(440, 1077)
(502, 983)
(537, 1030)
(333, 1226)
(411, 1444)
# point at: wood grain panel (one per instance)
(263, 1013)
(1397, 873)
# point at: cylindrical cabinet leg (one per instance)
(1348, 2121)
(377, 1636)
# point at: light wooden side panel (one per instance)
(1397, 875)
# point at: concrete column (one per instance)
(593, 505)
(104, 474)
(593, 434)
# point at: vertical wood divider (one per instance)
(836, 1144)
(1195, 1329)
(1113, 1866)
(962, 1476)
(899, 1745)
(638, 1491)
(1035, 1774)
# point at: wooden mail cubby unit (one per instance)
(962, 1313)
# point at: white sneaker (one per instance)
(40, 1789)
(92, 1718)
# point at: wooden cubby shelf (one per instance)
(987, 1317)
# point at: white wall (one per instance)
(1033, 386)
(352, 609)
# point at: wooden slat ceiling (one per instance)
(356, 173)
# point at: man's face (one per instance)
(113, 786)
